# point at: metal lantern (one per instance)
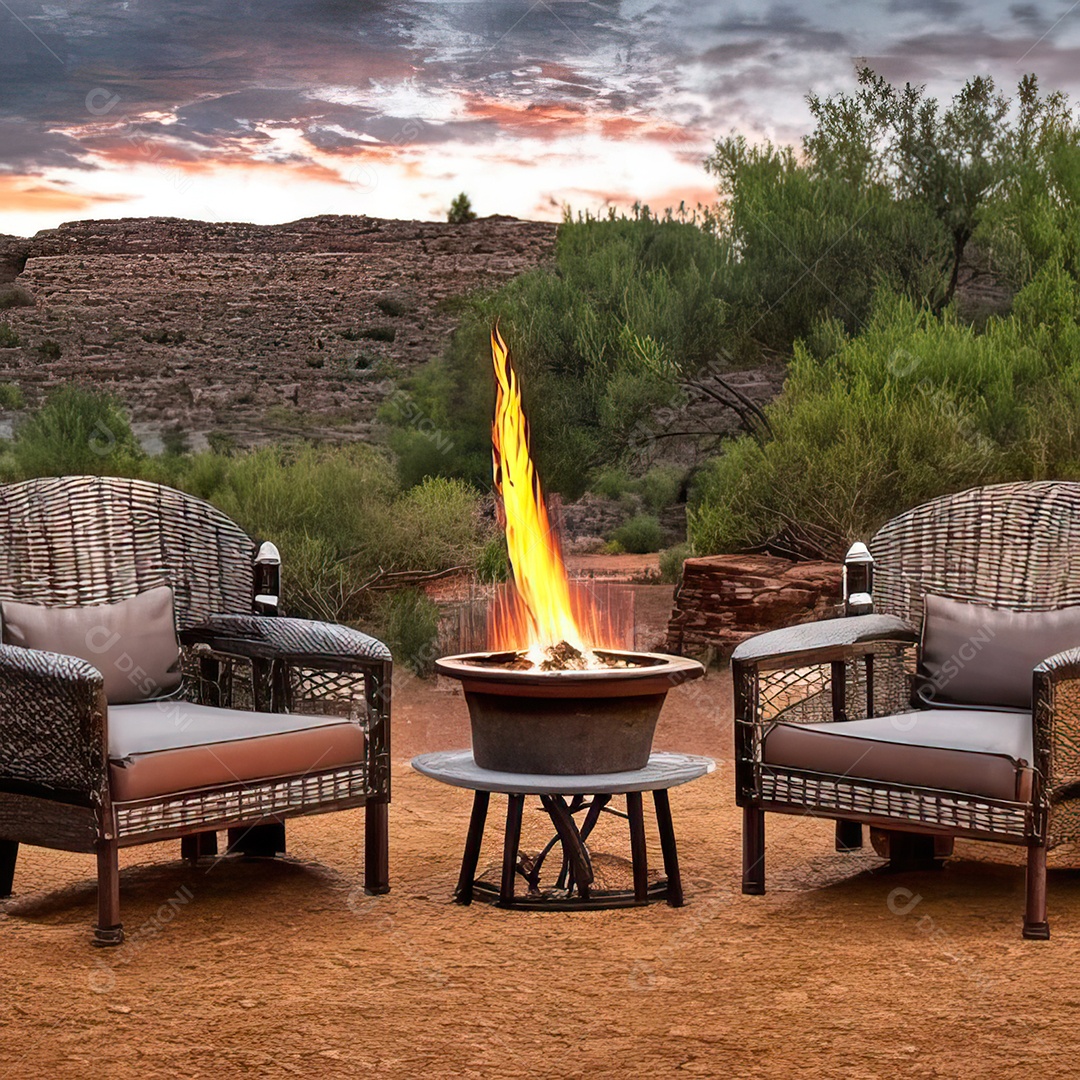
(858, 580)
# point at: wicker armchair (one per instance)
(1011, 777)
(74, 542)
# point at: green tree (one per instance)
(461, 210)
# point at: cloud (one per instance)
(946, 10)
(22, 148)
(29, 193)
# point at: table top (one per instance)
(664, 770)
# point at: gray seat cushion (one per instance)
(164, 747)
(966, 750)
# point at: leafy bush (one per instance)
(640, 535)
(913, 407)
(493, 562)
(599, 340)
(671, 563)
(408, 622)
(49, 349)
(11, 396)
(76, 433)
(8, 338)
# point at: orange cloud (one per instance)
(546, 120)
(30, 194)
(549, 120)
(163, 152)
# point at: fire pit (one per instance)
(565, 722)
(552, 698)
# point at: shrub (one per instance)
(8, 338)
(394, 306)
(671, 563)
(913, 407)
(661, 485)
(640, 535)
(49, 349)
(493, 562)
(600, 341)
(408, 622)
(11, 396)
(77, 432)
(379, 333)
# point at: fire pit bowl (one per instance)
(566, 723)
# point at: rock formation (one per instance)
(724, 599)
(257, 331)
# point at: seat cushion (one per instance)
(972, 654)
(132, 642)
(163, 747)
(966, 750)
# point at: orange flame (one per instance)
(542, 608)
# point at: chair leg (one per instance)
(259, 841)
(377, 848)
(109, 930)
(753, 851)
(9, 852)
(848, 835)
(197, 846)
(1036, 927)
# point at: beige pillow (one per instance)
(132, 643)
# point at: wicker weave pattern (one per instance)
(243, 802)
(297, 637)
(95, 540)
(834, 795)
(1007, 545)
(64, 751)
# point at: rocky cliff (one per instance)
(255, 331)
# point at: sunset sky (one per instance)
(271, 110)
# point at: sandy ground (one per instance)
(285, 968)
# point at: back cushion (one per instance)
(972, 654)
(132, 643)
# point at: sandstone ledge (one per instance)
(724, 599)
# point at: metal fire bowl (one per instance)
(565, 723)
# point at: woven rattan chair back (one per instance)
(1007, 545)
(80, 540)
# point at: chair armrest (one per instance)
(52, 725)
(821, 642)
(274, 637)
(1056, 716)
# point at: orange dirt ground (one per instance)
(285, 968)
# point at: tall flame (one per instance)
(542, 607)
(540, 611)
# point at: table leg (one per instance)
(667, 846)
(463, 892)
(638, 853)
(570, 838)
(515, 808)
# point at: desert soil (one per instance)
(285, 968)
